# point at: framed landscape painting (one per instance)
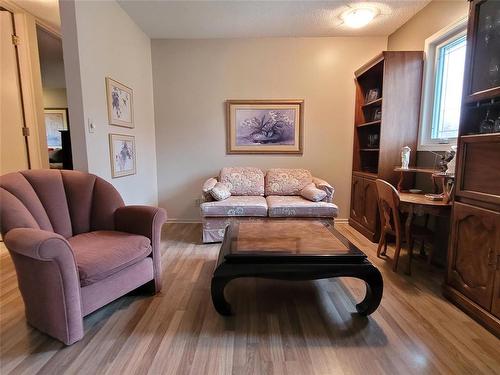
(122, 152)
(264, 126)
(120, 104)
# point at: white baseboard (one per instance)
(185, 221)
(198, 221)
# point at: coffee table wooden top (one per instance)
(288, 240)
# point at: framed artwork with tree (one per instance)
(264, 126)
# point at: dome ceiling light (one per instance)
(359, 17)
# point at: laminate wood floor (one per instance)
(279, 327)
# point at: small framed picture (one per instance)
(120, 104)
(372, 95)
(264, 126)
(56, 119)
(377, 115)
(122, 154)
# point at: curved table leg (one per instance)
(374, 289)
(217, 289)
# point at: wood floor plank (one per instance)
(278, 328)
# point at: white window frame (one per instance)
(432, 45)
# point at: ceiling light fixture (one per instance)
(359, 17)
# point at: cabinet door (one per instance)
(495, 306)
(370, 205)
(357, 199)
(471, 268)
(482, 79)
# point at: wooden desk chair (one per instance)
(388, 202)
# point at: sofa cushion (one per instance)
(220, 191)
(280, 181)
(100, 254)
(296, 206)
(243, 180)
(312, 193)
(235, 206)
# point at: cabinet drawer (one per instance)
(479, 174)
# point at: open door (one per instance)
(14, 154)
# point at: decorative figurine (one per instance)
(405, 157)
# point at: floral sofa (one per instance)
(253, 193)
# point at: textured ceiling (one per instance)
(243, 19)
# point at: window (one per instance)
(442, 94)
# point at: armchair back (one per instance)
(61, 201)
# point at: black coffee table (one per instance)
(291, 249)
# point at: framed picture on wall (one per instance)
(120, 104)
(122, 153)
(264, 126)
(56, 119)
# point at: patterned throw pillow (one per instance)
(312, 193)
(220, 191)
(207, 186)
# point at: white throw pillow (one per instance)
(312, 193)
(220, 191)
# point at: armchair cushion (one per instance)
(100, 254)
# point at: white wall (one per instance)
(100, 40)
(193, 78)
(54, 98)
(434, 17)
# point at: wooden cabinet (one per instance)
(474, 246)
(364, 208)
(370, 205)
(388, 90)
(473, 278)
(357, 199)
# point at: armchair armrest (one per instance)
(146, 221)
(326, 187)
(48, 278)
(40, 245)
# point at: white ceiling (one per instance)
(243, 19)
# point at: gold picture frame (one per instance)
(122, 154)
(120, 99)
(264, 126)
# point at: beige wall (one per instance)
(193, 78)
(434, 17)
(100, 40)
(55, 98)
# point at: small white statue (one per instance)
(405, 157)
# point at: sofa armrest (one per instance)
(48, 278)
(326, 187)
(145, 221)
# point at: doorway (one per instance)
(14, 155)
(55, 103)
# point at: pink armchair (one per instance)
(75, 246)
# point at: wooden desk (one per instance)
(419, 205)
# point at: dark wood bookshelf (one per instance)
(373, 103)
(377, 122)
(474, 248)
(378, 143)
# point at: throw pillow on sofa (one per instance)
(220, 191)
(312, 193)
(207, 186)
